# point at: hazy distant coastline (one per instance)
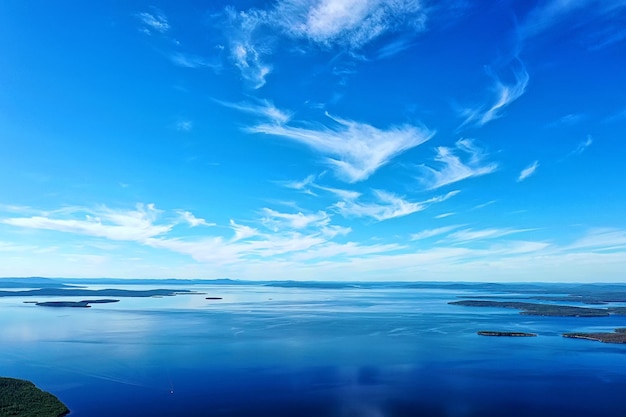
(541, 295)
(80, 292)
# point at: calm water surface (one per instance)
(270, 351)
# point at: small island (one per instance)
(505, 334)
(618, 336)
(19, 398)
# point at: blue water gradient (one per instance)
(323, 352)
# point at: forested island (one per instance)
(536, 309)
(505, 334)
(19, 398)
(618, 336)
(83, 303)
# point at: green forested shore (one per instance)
(19, 398)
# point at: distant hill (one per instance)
(32, 282)
(148, 281)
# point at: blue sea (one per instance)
(311, 351)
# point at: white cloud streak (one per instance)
(300, 185)
(242, 231)
(425, 234)
(505, 93)
(568, 120)
(289, 233)
(388, 206)
(354, 150)
(444, 215)
(347, 195)
(194, 61)
(553, 12)
(393, 48)
(262, 108)
(528, 171)
(450, 168)
(582, 146)
(601, 239)
(277, 220)
(193, 221)
(466, 235)
(128, 225)
(346, 250)
(153, 22)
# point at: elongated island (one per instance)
(505, 334)
(618, 336)
(536, 309)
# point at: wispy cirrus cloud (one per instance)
(551, 13)
(444, 215)
(247, 46)
(332, 250)
(428, 233)
(317, 223)
(504, 93)
(354, 150)
(248, 59)
(466, 235)
(184, 125)
(617, 116)
(348, 23)
(266, 249)
(309, 252)
(582, 146)
(394, 48)
(602, 239)
(384, 205)
(483, 205)
(276, 220)
(451, 168)
(340, 192)
(125, 225)
(279, 235)
(242, 231)
(300, 184)
(154, 22)
(309, 183)
(387, 206)
(282, 233)
(568, 120)
(261, 108)
(528, 171)
(187, 60)
(193, 221)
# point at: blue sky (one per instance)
(319, 139)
